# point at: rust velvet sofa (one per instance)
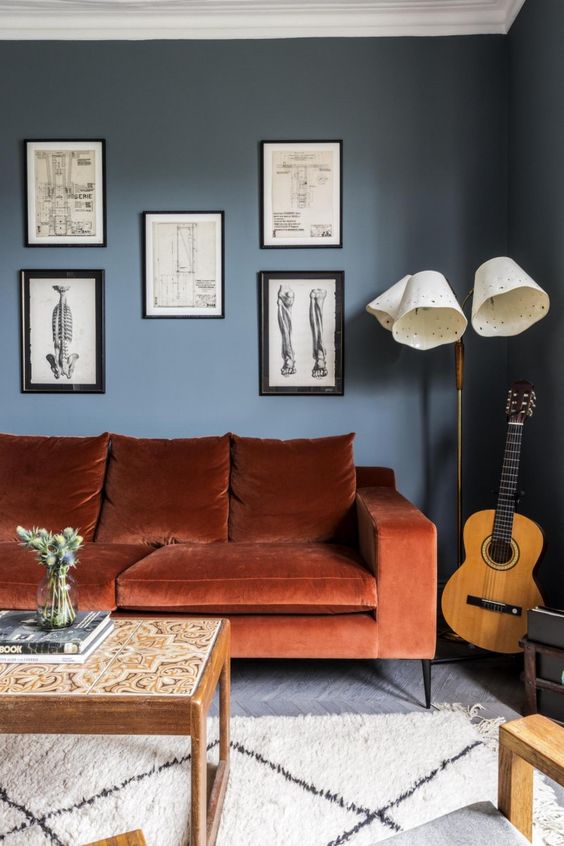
(308, 555)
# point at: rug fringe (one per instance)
(488, 729)
(549, 814)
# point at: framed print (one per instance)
(301, 194)
(184, 272)
(301, 332)
(62, 331)
(66, 193)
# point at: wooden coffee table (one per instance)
(151, 676)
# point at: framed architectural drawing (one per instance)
(301, 194)
(301, 332)
(66, 193)
(184, 258)
(62, 331)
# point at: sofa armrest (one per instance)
(399, 544)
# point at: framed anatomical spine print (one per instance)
(301, 194)
(62, 331)
(184, 274)
(66, 193)
(301, 332)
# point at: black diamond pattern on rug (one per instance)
(366, 815)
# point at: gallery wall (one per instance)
(536, 218)
(423, 123)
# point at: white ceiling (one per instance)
(144, 19)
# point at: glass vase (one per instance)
(57, 599)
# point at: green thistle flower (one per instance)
(52, 550)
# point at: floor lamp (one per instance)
(422, 311)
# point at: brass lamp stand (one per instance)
(459, 374)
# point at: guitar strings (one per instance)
(500, 548)
(503, 523)
(497, 541)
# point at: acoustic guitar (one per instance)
(486, 600)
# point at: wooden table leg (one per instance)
(198, 820)
(209, 782)
(217, 794)
(224, 711)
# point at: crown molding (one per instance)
(513, 9)
(68, 20)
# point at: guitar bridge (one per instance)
(492, 605)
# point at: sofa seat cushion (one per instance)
(249, 579)
(51, 483)
(96, 572)
(162, 491)
(298, 491)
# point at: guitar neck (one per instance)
(505, 511)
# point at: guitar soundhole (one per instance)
(500, 552)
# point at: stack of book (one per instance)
(23, 641)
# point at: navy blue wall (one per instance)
(425, 186)
(536, 218)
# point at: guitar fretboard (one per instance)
(505, 511)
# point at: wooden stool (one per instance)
(131, 838)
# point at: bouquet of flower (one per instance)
(56, 595)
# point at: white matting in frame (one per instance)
(65, 193)
(302, 333)
(62, 331)
(301, 194)
(184, 264)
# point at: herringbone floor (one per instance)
(290, 687)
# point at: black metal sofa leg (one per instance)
(426, 666)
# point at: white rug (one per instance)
(295, 781)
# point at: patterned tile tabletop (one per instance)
(140, 657)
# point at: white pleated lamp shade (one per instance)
(429, 314)
(506, 300)
(385, 307)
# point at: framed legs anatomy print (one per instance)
(301, 332)
(62, 331)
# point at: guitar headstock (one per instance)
(521, 402)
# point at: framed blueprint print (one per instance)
(301, 194)
(301, 332)
(66, 193)
(62, 331)
(184, 274)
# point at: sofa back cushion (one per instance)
(51, 482)
(291, 491)
(162, 491)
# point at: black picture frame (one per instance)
(146, 217)
(300, 244)
(277, 383)
(31, 239)
(42, 280)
